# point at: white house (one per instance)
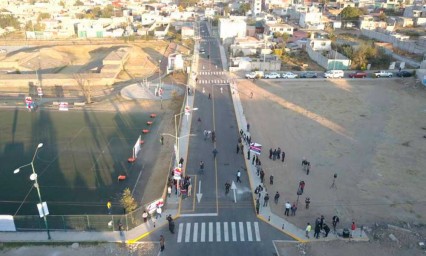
(309, 17)
(256, 7)
(318, 44)
(281, 28)
(187, 32)
(175, 62)
(230, 28)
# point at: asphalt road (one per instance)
(213, 218)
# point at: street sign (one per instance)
(43, 212)
(199, 194)
(39, 91)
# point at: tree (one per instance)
(128, 201)
(244, 8)
(351, 13)
(7, 20)
(83, 82)
(78, 3)
(62, 3)
(43, 16)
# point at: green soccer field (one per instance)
(82, 155)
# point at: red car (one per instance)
(358, 74)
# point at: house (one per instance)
(175, 62)
(246, 46)
(371, 22)
(187, 32)
(209, 12)
(310, 18)
(320, 44)
(230, 28)
(256, 7)
(280, 28)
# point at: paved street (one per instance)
(209, 216)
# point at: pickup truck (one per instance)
(383, 73)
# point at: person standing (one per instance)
(238, 148)
(277, 196)
(251, 95)
(189, 189)
(274, 154)
(322, 221)
(271, 180)
(317, 231)
(169, 190)
(161, 243)
(239, 176)
(282, 156)
(248, 127)
(210, 96)
(162, 140)
(308, 229)
(326, 229)
(270, 153)
(335, 222)
(265, 200)
(109, 206)
(248, 154)
(202, 166)
(120, 228)
(293, 209)
(262, 175)
(158, 215)
(215, 153)
(307, 202)
(287, 208)
(145, 216)
(353, 228)
(254, 159)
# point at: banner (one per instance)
(256, 148)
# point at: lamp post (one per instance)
(33, 177)
(187, 111)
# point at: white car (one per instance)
(289, 75)
(334, 74)
(272, 75)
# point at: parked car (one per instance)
(334, 74)
(404, 73)
(308, 74)
(202, 51)
(255, 74)
(383, 73)
(358, 74)
(272, 75)
(289, 75)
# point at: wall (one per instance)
(409, 46)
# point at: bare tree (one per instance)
(83, 81)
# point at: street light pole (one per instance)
(33, 177)
(176, 136)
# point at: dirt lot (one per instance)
(65, 59)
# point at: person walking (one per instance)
(308, 168)
(317, 231)
(210, 96)
(308, 229)
(239, 176)
(336, 220)
(270, 153)
(254, 159)
(282, 156)
(161, 243)
(109, 206)
(215, 153)
(251, 95)
(120, 228)
(227, 187)
(162, 140)
(262, 175)
(265, 200)
(213, 136)
(287, 208)
(169, 190)
(274, 154)
(238, 148)
(248, 127)
(271, 180)
(276, 197)
(248, 154)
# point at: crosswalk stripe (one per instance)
(241, 228)
(210, 231)
(218, 232)
(256, 231)
(187, 232)
(234, 231)
(203, 232)
(225, 231)
(180, 232)
(249, 234)
(195, 236)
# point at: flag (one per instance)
(256, 148)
